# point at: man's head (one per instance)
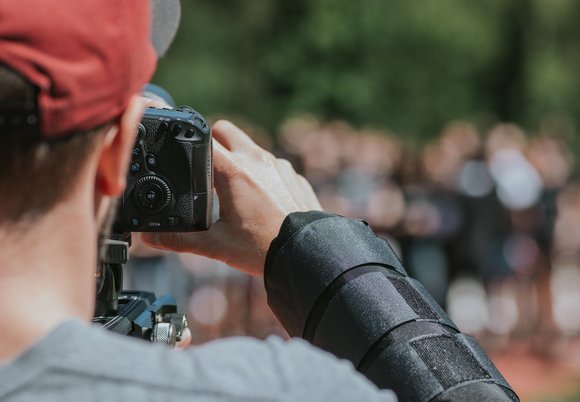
(35, 173)
(69, 70)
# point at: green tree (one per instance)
(410, 66)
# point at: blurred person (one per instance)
(433, 216)
(333, 201)
(564, 284)
(518, 185)
(516, 256)
(369, 164)
(553, 161)
(460, 139)
(463, 175)
(550, 156)
(322, 157)
(566, 237)
(444, 159)
(346, 136)
(420, 243)
(294, 137)
(385, 207)
(318, 150)
(70, 105)
(374, 152)
(505, 136)
(565, 273)
(466, 222)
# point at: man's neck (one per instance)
(46, 277)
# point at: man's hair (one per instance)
(35, 173)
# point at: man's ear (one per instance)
(116, 150)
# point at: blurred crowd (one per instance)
(488, 222)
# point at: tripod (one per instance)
(133, 313)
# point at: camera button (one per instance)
(151, 161)
(199, 122)
(152, 196)
(176, 130)
(135, 168)
(186, 109)
(135, 221)
(136, 152)
(163, 126)
(189, 133)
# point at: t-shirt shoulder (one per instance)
(76, 359)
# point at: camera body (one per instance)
(170, 178)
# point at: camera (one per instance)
(170, 178)
(169, 189)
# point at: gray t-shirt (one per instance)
(78, 362)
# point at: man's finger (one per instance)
(204, 243)
(288, 176)
(190, 242)
(222, 157)
(308, 193)
(231, 137)
(224, 164)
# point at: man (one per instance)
(70, 76)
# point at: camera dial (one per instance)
(151, 194)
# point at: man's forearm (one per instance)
(331, 281)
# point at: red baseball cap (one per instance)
(87, 57)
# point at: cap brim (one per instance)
(166, 17)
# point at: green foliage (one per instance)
(410, 66)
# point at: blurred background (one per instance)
(449, 125)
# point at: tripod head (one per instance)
(134, 313)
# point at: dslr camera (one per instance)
(170, 179)
(169, 189)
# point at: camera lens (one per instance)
(151, 194)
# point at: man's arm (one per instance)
(333, 282)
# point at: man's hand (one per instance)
(256, 192)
